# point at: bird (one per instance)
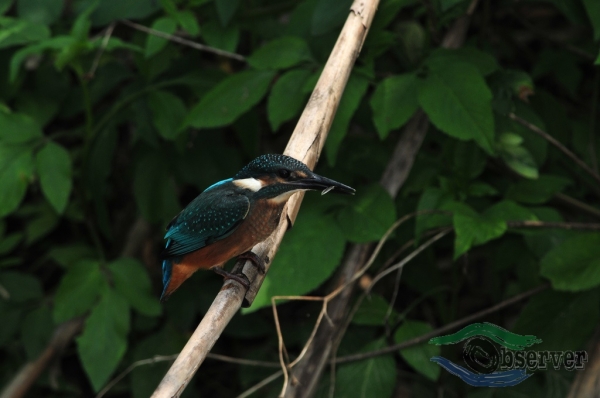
(231, 216)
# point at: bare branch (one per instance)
(556, 143)
(185, 42)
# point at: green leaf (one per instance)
(8, 243)
(226, 9)
(44, 12)
(597, 62)
(564, 321)
(16, 128)
(132, 282)
(418, 357)
(154, 43)
(54, 168)
(20, 287)
(78, 290)
(16, 169)
(517, 157)
(154, 189)
(473, 229)
(297, 270)
(281, 53)
(112, 10)
(394, 102)
(19, 31)
(593, 11)
(537, 191)
(36, 331)
(69, 255)
(373, 311)
(458, 102)
(368, 218)
(217, 36)
(373, 377)
(104, 339)
(485, 63)
(507, 210)
(432, 199)
(353, 93)
(187, 20)
(286, 97)
(230, 99)
(574, 264)
(168, 113)
(328, 15)
(5, 5)
(21, 55)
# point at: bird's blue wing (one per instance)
(212, 216)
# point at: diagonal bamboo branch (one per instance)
(305, 144)
(307, 374)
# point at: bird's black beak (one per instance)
(319, 183)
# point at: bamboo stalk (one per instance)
(305, 144)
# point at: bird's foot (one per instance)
(241, 278)
(254, 259)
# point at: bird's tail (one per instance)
(167, 269)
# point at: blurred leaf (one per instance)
(78, 290)
(484, 62)
(373, 377)
(66, 256)
(36, 331)
(19, 31)
(373, 311)
(44, 12)
(507, 210)
(188, 22)
(473, 229)
(394, 102)
(282, 53)
(16, 169)
(168, 112)
(564, 321)
(353, 93)
(154, 43)
(44, 219)
(593, 11)
(112, 10)
(154, 190)
(369, 216)
(11, 321)
(5, 5)
(299, 268)
(226, 9)
(104, 339)
(8, 243)
(574, 264)
(132, 282)
(286, 98)
(419, 356)
(54, 169)
(16, 128)
(217, 36)
(516, 157)
(21, 55)
(20, 287)
(537, 191)
(431, 199)
(328, 15)
(458, 102)
(230, 99)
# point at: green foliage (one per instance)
(105, 134)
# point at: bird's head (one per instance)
(277, 177)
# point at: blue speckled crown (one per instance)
(270, 164)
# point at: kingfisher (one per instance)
(231, 216)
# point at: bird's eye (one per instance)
(284, 173)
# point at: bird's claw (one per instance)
(254, 259)
(241, 278)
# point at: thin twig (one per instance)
(107, 35)
(577, 203)
(185, 42)
(453, 325)
(556, 143)
(548, 224)
(260, 385)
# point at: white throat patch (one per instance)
(249, 183)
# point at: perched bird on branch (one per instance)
(233, 215)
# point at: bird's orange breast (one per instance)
(261, 221)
